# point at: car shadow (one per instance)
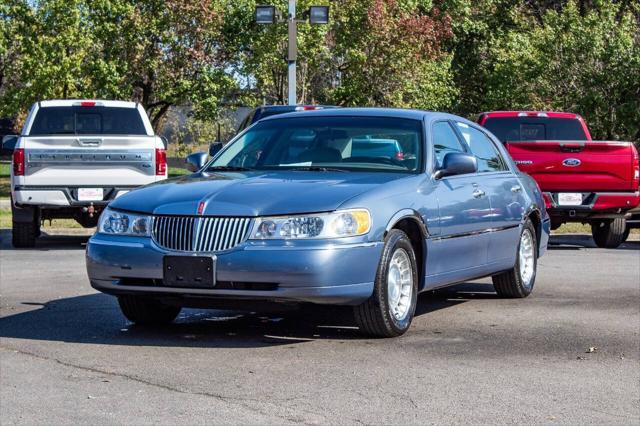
(96, 319)
(47, 241)
(578, 242)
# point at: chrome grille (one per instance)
(199, 234)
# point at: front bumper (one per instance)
(323, 272)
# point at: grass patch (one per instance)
(580, 228)
(177, 171)
(5, 182)
(5, 222)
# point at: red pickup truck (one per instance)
(586, 181)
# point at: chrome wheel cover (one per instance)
(527, 258)
(400, 284)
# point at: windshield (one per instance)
(326, 143)
(513, 129)
(96, 120)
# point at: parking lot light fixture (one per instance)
(267, 14)
(319, 15)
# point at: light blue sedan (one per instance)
(291, 211)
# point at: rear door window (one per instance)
(87, 121)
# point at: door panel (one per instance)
(464, 221)
(507, 208)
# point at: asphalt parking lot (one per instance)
(68, 356)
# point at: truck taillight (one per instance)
(161, 162)
(18, 162)
(636, 166)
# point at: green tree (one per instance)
(390, 53)
(158, 52)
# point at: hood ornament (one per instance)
(201, 206)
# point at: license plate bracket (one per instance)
(189, 271)
(90, 194)
(569, 199)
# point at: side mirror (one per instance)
(215, 148)
(457, 163)
(196, 161)
(9, 144)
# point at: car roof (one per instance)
(413, 114)
(74, 102)
(291, 107)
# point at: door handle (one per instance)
(516, 189)
(89, 142)
(478, 193)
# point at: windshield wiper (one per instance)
(228, 169)
(318, 169)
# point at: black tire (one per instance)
(509, 284)
(146, 311)
(374, 316)
(625, 237)
(609, 233)
(24, 234)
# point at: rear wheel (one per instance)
(518, 282)
(147, 311)
(390, 309)
(609, 233)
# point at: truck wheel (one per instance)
(609, 233)
(147, 311)
(390, 309)
(626, 234)
(518, 282)
(24, 234)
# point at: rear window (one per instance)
(87, 121)
(512, 129)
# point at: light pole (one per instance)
(269, 15)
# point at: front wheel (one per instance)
(609, 233)
(147, 311)
(518, 282)
(390, 309)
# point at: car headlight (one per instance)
(338, 224)
(119, 223)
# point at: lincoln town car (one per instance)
(358, 207)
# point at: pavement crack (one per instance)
(243, 402)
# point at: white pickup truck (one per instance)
(73, 157)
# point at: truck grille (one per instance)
(199, 234)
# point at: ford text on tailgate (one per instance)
(594, 182)
(74, 157)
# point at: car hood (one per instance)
(252, 194)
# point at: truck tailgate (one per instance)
(578, 166)
(89, 160)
